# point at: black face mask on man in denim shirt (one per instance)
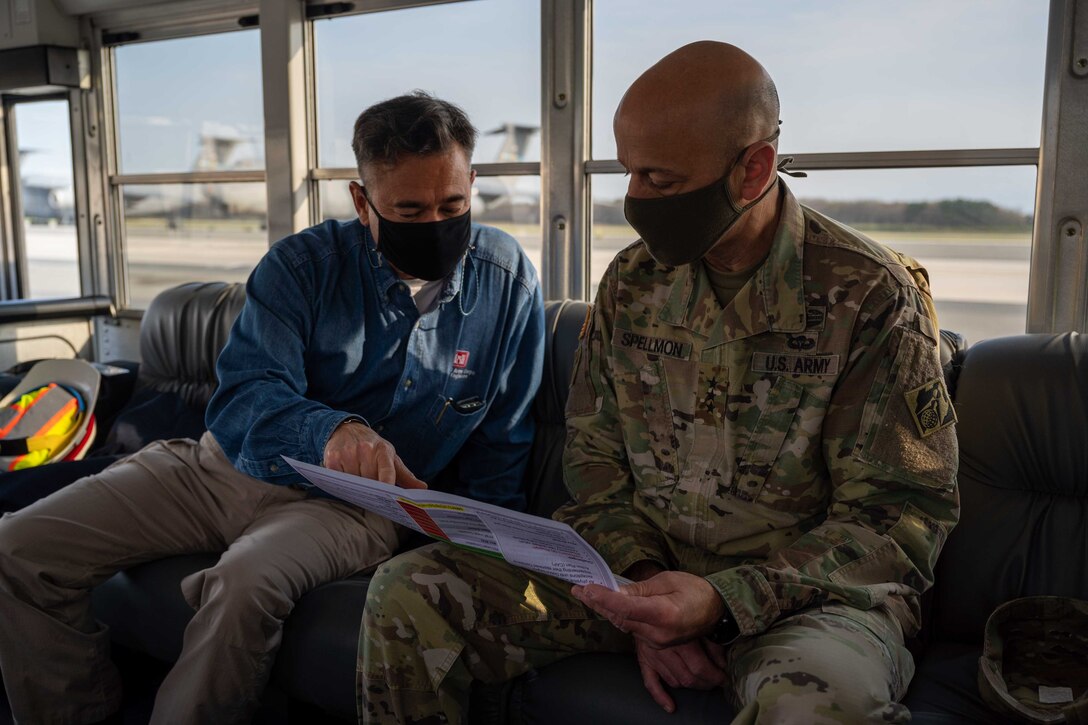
(424, 250)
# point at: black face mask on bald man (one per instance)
(681, 229)
(424, 250)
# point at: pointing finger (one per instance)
(405, 478)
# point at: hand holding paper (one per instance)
(531, 542)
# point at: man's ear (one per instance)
(759, 171)
(362, 209)
(471, 177)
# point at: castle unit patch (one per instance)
(930, 407)
(792, 364)
(815, 317)
(651, 345)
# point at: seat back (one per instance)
(1022, 404)
(182, 333)
(545, 489)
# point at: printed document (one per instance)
(531, 542)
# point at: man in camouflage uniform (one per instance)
(759, 436)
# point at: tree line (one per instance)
(964, 214)
(943, 214)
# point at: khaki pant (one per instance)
(173, 497)
(439, 617)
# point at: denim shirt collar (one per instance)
(385, 278)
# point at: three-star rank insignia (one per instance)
(930, 407)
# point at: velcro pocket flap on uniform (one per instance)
(585, 396)
(767, 438)
(911, 433)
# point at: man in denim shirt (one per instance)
(400, 346)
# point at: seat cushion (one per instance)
(945, 687)
(606, 688)
(316, 662)
(144, 608)
(146, 612)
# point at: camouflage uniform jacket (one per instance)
(796, 448)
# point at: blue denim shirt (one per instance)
(329, 333)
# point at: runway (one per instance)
(979, 281)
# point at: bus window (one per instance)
(484, 56)
(190, 104)
(46, 198)
(977, 250)
(954, 88)
(191, 157)
(176, 233)
(852, 75)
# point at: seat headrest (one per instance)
(953, 346)
(182, 333)
(1022, 402)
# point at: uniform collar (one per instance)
(773, 299)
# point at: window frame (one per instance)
(1059, 266)
(318, 173)
(15, 275)
(119, 282)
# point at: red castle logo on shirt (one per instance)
(460, 360)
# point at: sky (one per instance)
(853, 75)
(45, 141)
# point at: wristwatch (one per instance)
(726, 630)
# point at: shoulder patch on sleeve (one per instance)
(930, 407)
(584, 398)
(910, 431)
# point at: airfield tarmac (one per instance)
(979, 280)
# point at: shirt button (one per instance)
(274, 467)
(408, 383)
(380, 428)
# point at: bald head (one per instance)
(711, 90)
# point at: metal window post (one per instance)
(285, 127)
(89, 150)
(565, 52)
(9, 189)
(18, 285)
(1058, 291)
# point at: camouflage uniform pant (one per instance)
(439, 617)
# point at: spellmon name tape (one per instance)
(651, 345)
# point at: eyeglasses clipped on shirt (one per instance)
(464, 407)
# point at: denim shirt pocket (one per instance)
(456, 418)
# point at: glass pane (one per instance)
(970, 228)
(178, 233)
(852, 75)
(482, 55)
(191, 104)
(510, 203)
(48, 200)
